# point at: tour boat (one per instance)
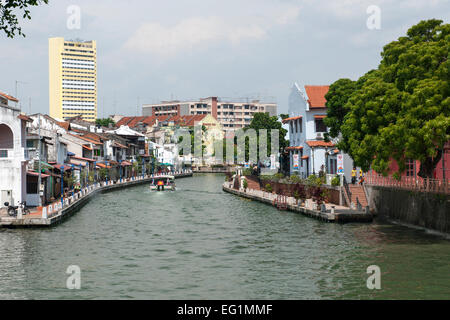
(163, 183)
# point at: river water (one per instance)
(202, 243)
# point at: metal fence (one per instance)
(409, 183)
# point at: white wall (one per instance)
(13, 168)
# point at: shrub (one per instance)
(245, 183)
(295, 179)
(336, 181)
(314, 181)
(247, 172)
(268, 187)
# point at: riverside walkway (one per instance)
(332, 213)
(59, 210)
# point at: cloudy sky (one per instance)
(153, 50)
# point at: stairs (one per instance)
(358, 192)
(252, 183)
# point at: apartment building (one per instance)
(231, 115)
(72, 79)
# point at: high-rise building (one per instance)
(72, 78)
(231, 115)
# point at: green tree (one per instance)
(9, 22)
(105, 122)
(262, 120)
(402, 109)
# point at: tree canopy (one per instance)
(104, 122)
(9, 22)
(401, 110)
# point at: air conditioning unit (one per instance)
(320, 136)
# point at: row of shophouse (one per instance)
(75, 151)
(310, 154)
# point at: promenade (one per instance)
(331, 212)
(59, 210)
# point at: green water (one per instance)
(202, 243)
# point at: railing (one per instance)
(410, 183)
(348, 193)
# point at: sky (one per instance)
(148, 51)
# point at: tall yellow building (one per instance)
(72, 78)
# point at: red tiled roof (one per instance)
(6, 96)
(86, 139)
(32, 173)
(294, 148)
(124, 121)
(84, 159)
(316, 96)
(126, 163)
(64, 125)
(291, 119)
(319, 143)
(24, 118)
(87, 147)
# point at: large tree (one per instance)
(9, 22)
(402, 109)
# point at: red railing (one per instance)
(410, 183)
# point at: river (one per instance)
(202, 243)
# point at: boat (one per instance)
(163, 183)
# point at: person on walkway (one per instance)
(361, 177)
(354, 175)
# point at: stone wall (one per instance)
(426, 210)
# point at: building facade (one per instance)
(231, 115)
(309, 153)
(72, 79)
(13, 152)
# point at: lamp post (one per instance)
(95, 164)
(62, 185)
(143, 167)
(120, 170)
(106, 172)
(73, 166)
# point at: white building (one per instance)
(13, 152)
(308, 152)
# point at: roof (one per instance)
(319, 143)
(24, 118)
(316, 96)
(294, 148)
(32, 173)
(64, 125)
(291, 119)
(6, 96)
(320, 116)
(84, 159)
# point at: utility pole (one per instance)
(39, 159)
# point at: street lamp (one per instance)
(120, 170)
(143, 167)
(73, 166)
(106, 172)
(62, 185)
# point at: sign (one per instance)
(295, 161)
(246, 165)
(340, 164)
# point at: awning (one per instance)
(319, 143)
(102, 165)
(36, 174)
(87, 147)
(126, 163)
(60, 166)
(77, 164)
(294, 148)
(320, 116)
(305, 157)
(84, 159)
(70, 154)
(291, 119)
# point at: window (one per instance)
(3, 153)
(296, 127)
(320, 126)
(409, 167)
(300, 125)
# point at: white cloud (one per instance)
(201, 32)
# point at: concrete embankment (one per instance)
(340, 215)
(426, 210)
(58, 212)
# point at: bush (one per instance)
(247, 172)
(295, 179)
(268, 187)
(245, 183)
(336, 181)
(314, 181)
